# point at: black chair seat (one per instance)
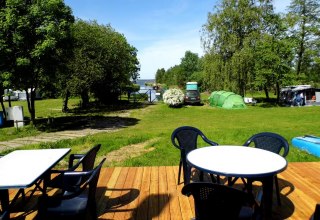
(70, 207)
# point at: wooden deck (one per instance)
(141, 193)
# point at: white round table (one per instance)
(241, 161)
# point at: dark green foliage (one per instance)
(304, 20)
(33, 43)
(103, 62)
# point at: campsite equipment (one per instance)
(227, 100)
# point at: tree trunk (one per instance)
(3, 110)
(2, 105)
(9, 101)
(65, 102)
(302, 41)
(266, 92)
(85, 98)
(30, 101)
(278, 91)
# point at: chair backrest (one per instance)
(269, 141)
(78, 181)
(87, 160)
(186, 138)
(215, 201)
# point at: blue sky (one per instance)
(161, 30)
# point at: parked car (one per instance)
(192, 97)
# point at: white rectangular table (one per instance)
(23, 168)
(241, 161)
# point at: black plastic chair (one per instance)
(77, 198)
(271, 142)
(185, 139)
(216, 201)
(84, 162)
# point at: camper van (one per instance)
(192, 95)
(299, 95)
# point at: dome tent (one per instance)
(227, 100)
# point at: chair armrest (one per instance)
(247, 143)
(74, 157)
(56, 171)
(212, 143)
(52, 178)
(74, 183)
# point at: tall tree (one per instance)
(190, 63)
(304, 18)
(229, 36)
(246, 47)
(33, 38)
(103, 62)
(273, 52)
(160, 75)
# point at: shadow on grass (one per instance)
(268, 103)
(95, 107)
(84, 122)
(91, 118)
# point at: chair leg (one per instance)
(186, 174)
(179, 173)
(201, 176)
(277, 189)
(215, 179)
(248, 186)
(231, 181)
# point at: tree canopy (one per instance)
(33, 40)
(42, 47)
(102, 64)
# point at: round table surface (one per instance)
(237, 161)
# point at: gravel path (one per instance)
(51, 137)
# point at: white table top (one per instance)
(21, 168)
(237, 161)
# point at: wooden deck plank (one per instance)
(164, 211)
(174, 206)
(102, 203)
(140, 193)
(125, 195)
(185, 205)
(136, 186)
(115, 199)
(154, 194)
(143, 204)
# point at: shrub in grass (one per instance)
(173, 97)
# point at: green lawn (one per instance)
(156, 122)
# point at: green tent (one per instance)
(227, 100)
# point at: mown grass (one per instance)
(227, 127)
